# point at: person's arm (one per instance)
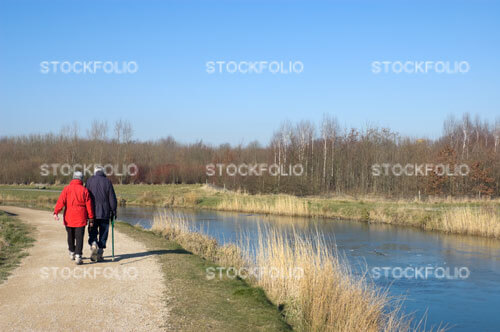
(61, 203)
(90, 209)
(88, 205)
(89, 185)
(112, 199)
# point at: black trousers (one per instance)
(75, 239)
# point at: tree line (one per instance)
(332, 159)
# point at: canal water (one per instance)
(454, 280)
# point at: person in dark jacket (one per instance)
(104, 205)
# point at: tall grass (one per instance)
(280, 204)
(478, 221)
(327, 296)
(177, 228)
(468, 220)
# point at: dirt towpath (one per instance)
(48, 292)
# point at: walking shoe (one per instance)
(72, 255)
(100, 254)
(78, 259)
(93, 252)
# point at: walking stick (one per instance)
(113, 238)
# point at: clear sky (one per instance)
(171, 41)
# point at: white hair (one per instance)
(78, 175)
(98, 168)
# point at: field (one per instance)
(458, 216)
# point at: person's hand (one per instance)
(91, 223)
(56, 217)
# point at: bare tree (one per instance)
(496, 134)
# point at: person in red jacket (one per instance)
(75, 199)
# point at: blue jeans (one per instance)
(99, 233)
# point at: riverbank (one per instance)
(314, 287)
(198, 303)
(457, 216)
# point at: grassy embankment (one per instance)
(473, 217)
(197, 303)
(14, 239)
(314, 288)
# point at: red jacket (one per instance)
(75, 198)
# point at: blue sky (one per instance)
(171, 41)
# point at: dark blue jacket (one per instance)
(103, 196)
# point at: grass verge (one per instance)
(15, 237)
(198, 303)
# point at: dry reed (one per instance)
(315, 286)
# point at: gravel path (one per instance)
(48, 292)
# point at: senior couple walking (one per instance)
(93, 205)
